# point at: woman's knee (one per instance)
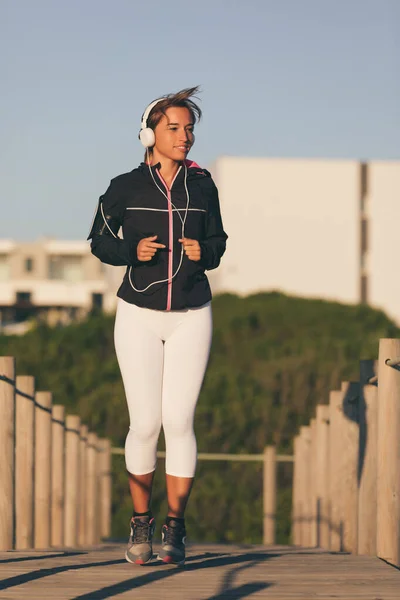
(178, 428)
(144, 433)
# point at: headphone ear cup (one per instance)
(147, 137)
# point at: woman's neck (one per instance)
(168, 169)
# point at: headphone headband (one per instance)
(146, 134)
(148, 111)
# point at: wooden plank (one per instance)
(296, 495)
(322, 476)
(72, 464)
(212, 572)
(24, 445)
(57, 475)
(335, 469)
(269, 494)
(305, 489)
(92, 499)
(388, 491)
(350, 449)
(7, 437)
(313, 483)
(82, 485)
(105, 487)
(42, 481)
(367, 467)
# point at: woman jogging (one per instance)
(169, 212)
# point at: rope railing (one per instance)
(390, 362)
(55, 480)
(221, 456)
(346, 480)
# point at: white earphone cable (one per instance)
(168, 279)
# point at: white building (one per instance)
(57, 281)
(313, 228)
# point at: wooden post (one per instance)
(91, 490)
(322, 476)
(305, 478)
(82, 485)
(367, 467)
(71, 513)
(388, 496)
(351, 440)
(42, 475)
(335, 470)
(296, 495)
(105, 487)
(57, 475)
(24, 445)
(269, 494)
(313, 484)
(98, 490)
(7, 438)
(344, 442)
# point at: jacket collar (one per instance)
(193, 169)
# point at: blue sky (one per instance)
(279, 78)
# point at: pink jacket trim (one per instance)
(191, 164)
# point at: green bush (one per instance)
(274, 357)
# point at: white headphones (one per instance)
(146, 135)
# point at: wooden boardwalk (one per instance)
(212, 572)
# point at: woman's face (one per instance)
(174, 134)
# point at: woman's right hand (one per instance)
(147, 247)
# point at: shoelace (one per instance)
(174, 535)
(140, 531)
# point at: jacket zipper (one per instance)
(171, 238)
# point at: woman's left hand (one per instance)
(191, 248)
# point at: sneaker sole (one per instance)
(168, 560)
(138, 561)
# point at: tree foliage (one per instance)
(274, 357)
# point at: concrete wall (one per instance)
(293, 226)
(384, 238)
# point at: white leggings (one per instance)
(162, 356)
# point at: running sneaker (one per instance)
(140, 546)
(173, 539)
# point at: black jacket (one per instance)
(134, 202)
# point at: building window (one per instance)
(97, 302)
(66, 268)
(29, 265)
(24, 309)
(23, 298)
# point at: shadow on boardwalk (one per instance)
(195, 563)
(212, 572)
(39, 557)
(156, 571)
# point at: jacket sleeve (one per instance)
(214, 244)
(106, 244)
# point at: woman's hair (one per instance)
(181, 99)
